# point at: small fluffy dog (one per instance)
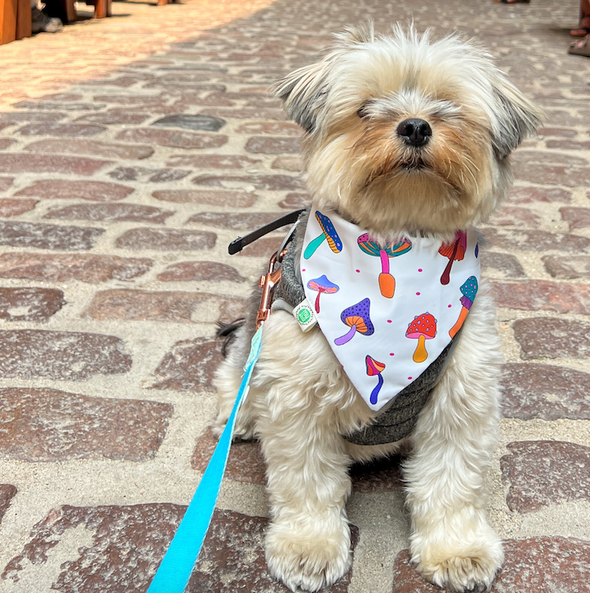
(405, 137)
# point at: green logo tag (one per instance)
(304, 315)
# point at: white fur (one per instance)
(299, 405)
(301, 402)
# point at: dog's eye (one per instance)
(362, 112)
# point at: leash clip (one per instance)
(267, 283)
(272, 277)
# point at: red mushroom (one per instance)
(375, 368)
(455, 252)
(422, 328)
(322, 285)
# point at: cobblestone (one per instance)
(236, 221)
(532, 565)
(59, 129)
(234, 539)
(541, 473)
(109, 428)
(92, 148)
(166, 240)
(10, 208)
(189, 366)
(110, 212)
(7, 492)
(551, 337)
(28, 163)
(30, 304)
(5, 183)
(62, 189)
(46, 236)
(543, 391)
(237, 199)
(85, 267)
(182, 307)
(173, 139)
(124, 175)
(543, 295)
(146, 174)
(73, 356)
(567, 268)
(195, 271)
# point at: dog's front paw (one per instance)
(243, 431)
(460, 565)
(308, 559)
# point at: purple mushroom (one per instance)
(322, 285)
(329, 234)
(358, 319)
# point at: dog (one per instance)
(407, 139)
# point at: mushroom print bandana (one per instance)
(388, 310)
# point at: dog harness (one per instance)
(390, 311)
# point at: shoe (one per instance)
(580, 48)
(41, 23)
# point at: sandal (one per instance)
(580, 48)
(582, 30)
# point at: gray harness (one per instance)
(397, 420)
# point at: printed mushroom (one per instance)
(384, 252)
(375, 368)
(358, 318)
(422, 328)
(455, 252)
(323, 286)
(468, 290)
(329, 234)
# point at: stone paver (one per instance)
(532, 565)
(124, 176)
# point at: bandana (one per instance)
(388, 310)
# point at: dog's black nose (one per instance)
(416, 132)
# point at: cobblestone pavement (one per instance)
(132, 150)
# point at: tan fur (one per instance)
(301, 402)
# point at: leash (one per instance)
(177, 565)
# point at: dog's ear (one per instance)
(516, 118)
(304, 93)
(355, 35)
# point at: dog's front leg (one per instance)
(454, 440)
(308, 542)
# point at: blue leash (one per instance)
(177, 566)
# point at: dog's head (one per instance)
(405, 134)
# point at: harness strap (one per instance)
(238, 244)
